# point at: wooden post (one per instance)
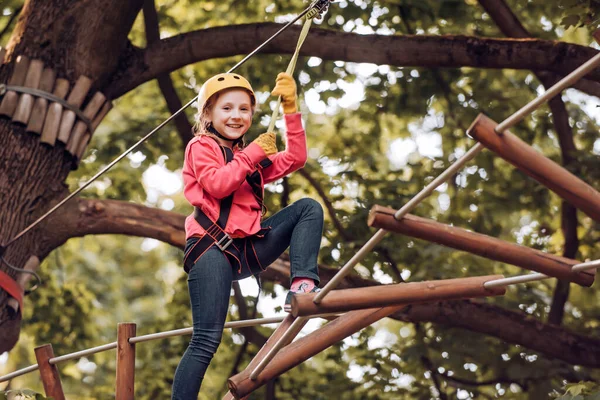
(75, 98)
(32, 80)
(125, 362)
(302, 349)
(482, 245)
(537, 166)
(9, 101)
(49, 372)
(400, 293)
(36, 122)
(23, 279)
(80, 127)
(87, 137)
(52, 120)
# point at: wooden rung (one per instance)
(10, 99)
(36, 122)
(80, 127)
(52, 120)
(32, 80)
(302, 349)
(23, 279)
(400, 293)
(125, 362)
(76, 97)
(49, 372)
(482, 245)
(537, 166)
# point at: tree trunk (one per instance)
(74, 38)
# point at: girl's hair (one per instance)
(202, 124)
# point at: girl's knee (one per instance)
(311, 205)
(206, 340)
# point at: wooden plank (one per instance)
(10, 99)
(32, 80)
(389, 295)
(80, 127)
(125, 362)
(52, 120)
(49, 372)
(88, 135)
(479, 244)
(36, 122)
(76, 97)
(302, 349)
(537, 166)
(32, 264)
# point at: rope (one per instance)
(292, 64)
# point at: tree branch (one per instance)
(86, 216)
(424, 51)
(164, 80)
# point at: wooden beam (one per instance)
(482, 245)
(274, 338)
(401, 293)
(537, 166)
(125, 362)
(49, 373)
(302, 349)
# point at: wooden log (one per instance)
(52, 120)
(302, 349)
(10, 99)
(80, 127)
(87, 137)
(125, 362)
(25, 104)
(49, 372)
(273, 339)
(75, 99)
(482, 245)
(36, 122)
(400, 293)
(23, 279)
(537, 166)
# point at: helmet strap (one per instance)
(214, 131)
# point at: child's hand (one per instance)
(285, 86)
(267, 142)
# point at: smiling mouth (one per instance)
(234, 126)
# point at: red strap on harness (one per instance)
(11, 287)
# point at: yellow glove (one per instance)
(285, 86)
(267, 142)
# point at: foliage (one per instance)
(581, 391)
(377, 134)
(22, 395)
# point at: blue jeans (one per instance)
(299, 227)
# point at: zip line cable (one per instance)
(317, 7)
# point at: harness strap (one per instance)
(11, 287)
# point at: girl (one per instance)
(226, 240)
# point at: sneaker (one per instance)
(287, 307)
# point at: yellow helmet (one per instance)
(222, 82)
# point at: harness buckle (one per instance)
(224, 242)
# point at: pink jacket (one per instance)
(207, 178)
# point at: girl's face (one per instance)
(231, 114)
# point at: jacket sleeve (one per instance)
(219, 179)
(294, 156)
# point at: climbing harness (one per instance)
(214, 232)
(316, 10)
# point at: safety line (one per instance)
(317, 3)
